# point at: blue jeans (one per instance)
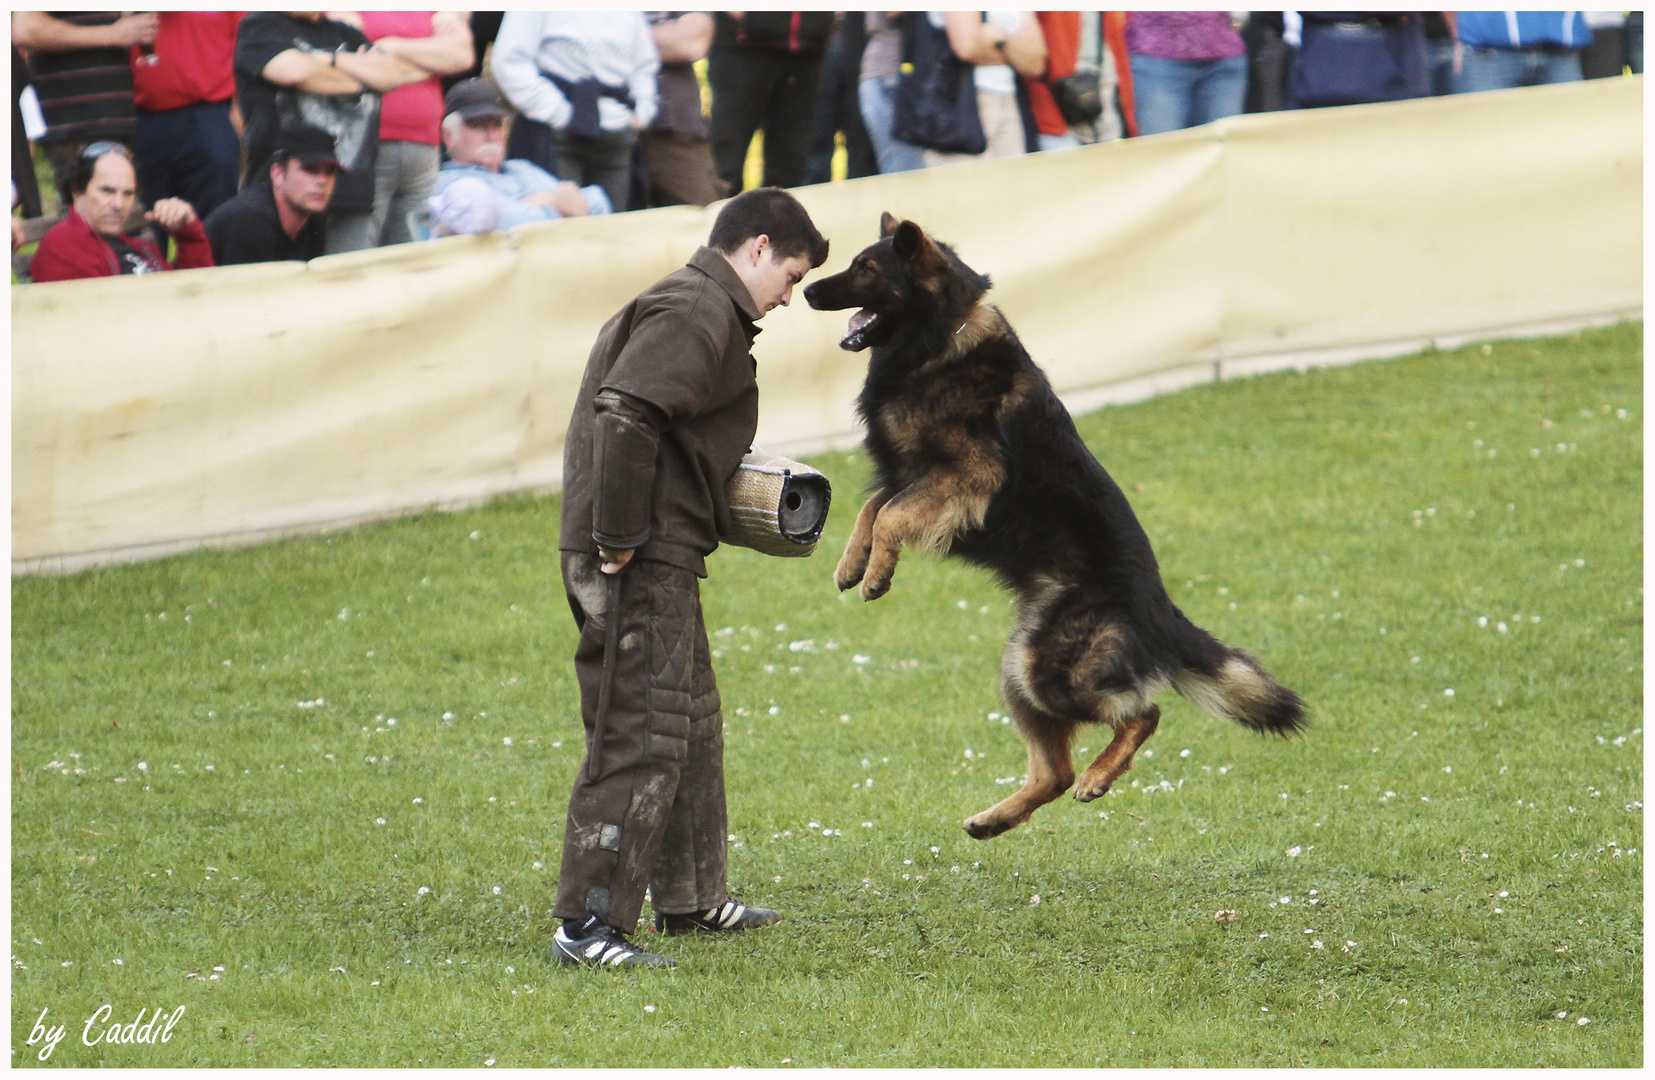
(877, 98)
(1439, 62)
(1174, 94)
(1501, 69)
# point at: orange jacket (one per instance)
(1062, 30)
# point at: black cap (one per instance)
(307, 143)
(473, 99)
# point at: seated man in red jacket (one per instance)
(89, 242)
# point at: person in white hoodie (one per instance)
(583, 83)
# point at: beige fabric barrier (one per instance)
(223, 406)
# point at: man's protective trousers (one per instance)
(648, 804)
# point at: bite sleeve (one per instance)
(624, 445)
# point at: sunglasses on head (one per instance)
(105, 146)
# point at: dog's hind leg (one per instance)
(1130, 733)
(854, 562)
(1050, 770)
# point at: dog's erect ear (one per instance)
(910, 242)
(887, 224)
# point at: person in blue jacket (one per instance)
(1503, 49)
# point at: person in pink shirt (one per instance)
(410, 117)
(1188, 67)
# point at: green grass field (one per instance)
(313, 792)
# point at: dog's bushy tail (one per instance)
(1235, 686)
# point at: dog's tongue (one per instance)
(860, 319)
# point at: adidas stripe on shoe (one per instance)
(594, 943)
(730, 915)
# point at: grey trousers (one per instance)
(349, 230)
(654, 815)
(405, 175)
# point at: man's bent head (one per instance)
(104, 187)
(774, 213)
(770, 241)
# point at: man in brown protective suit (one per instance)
(667, 408)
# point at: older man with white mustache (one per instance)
(474, 130)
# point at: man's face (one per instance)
(109, 195)
(771, 280)
(305, 188)
(479, 142)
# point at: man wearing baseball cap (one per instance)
(474, 130)
(281, 216)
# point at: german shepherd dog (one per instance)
(975, 456)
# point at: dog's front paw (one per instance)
(852, 565)
(874, 588)
(847, 575)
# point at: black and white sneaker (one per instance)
(594, 943)
(730, 915)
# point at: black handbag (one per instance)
(936, 99)
(1079, 97)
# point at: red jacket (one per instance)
(71, 250)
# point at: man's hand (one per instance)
(378, 69)
(566, 199)
(137, 28)
(171, 214)
(614, 561)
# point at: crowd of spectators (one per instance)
(236, 137)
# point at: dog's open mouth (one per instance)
(856, 337)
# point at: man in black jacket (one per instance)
(667, 408)
(303, 68)
(280, 216)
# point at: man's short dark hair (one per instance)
(80, 177)
(771, 212)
